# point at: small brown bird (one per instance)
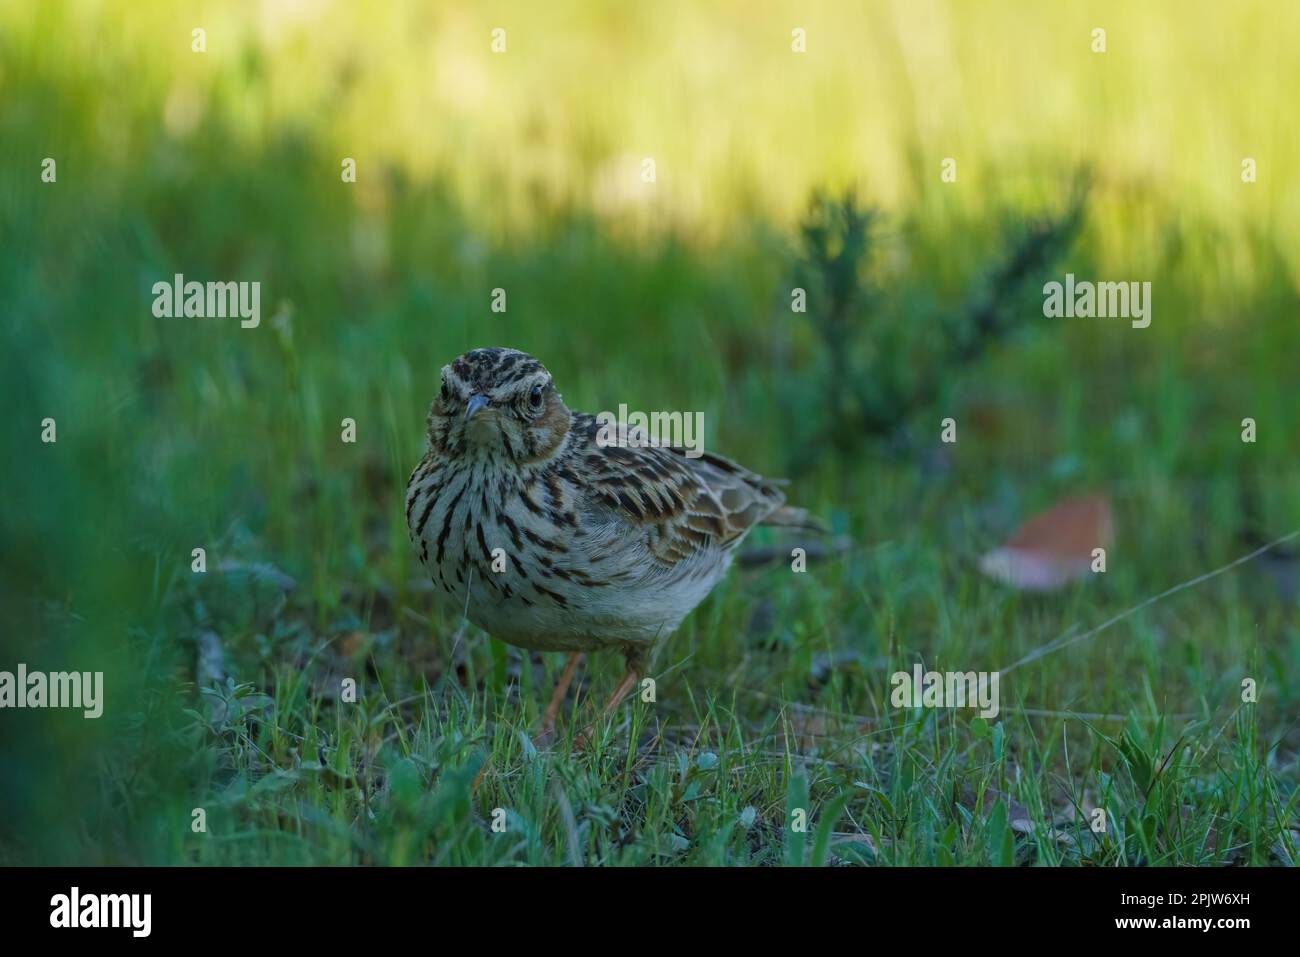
(554, 538)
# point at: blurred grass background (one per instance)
(522, 171)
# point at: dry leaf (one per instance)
(1054, 547)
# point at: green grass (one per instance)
(223, 688)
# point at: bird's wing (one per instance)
(681, 505)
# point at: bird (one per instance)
(554, 532)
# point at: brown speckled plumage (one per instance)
(604, 546)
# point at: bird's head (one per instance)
(498, 404)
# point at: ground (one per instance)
(225, 688)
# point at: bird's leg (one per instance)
(622, 691)
(557, 697)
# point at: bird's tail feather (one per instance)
(791, 516)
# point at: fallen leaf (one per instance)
(354, 643)
(1054, 547)
(1017, 816)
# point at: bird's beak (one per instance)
(475, 403)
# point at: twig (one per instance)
(1056, 644)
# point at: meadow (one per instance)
(524, 171)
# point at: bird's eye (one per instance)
(535, 397)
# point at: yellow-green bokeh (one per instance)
(735, 120)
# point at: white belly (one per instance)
(602, 588)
